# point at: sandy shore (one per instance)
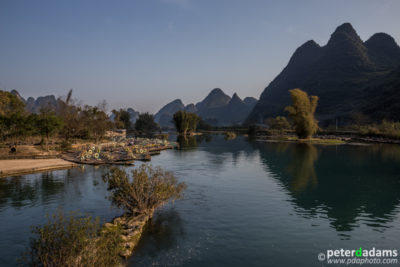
(23, 166)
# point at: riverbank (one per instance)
(132, 229)
(330, 140)
(24, 166)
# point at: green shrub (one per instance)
(278, 124)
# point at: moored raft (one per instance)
(124, 152)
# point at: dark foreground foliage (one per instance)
(70, 240)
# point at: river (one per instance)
(248, 203)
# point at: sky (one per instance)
(146, 53)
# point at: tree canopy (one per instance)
(148, 189)
(302, 113)
(122, 119)
(185, 122)
(279, 123)
(9, 103)
(145, 124)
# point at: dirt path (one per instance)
(23, 166)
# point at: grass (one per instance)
(322, 141)
(318, 141)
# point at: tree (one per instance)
(122, 119)
(149, 189)
(193, 121)
(145, 124)
(9, 104)
(70, 116)
(278, 123)
(12, 116)
(48, 124)
(185, 122)
(203, 125)
(13, 126)
(302, 113)
(95, 122)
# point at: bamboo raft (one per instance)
(122, 153)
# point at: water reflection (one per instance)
(187, 142)
(221, 150)
(49, 186)
(350, 185)
(163, 233)
(302, 168)
(218, 149)
(25, 201)
(20, 191)
(16, 192)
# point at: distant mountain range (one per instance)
(50, 101)
(217, 109)
(34, 105)
(133, 115)
(348, 75)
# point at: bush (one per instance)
(148, 189)
(279, 123)
(384, 129)
(73, 241)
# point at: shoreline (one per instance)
(330, 140)
(132, 229)
(13, 167)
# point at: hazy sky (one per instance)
(143, 54)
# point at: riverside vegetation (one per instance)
(301, 120)
(185, 122)
(58, 127)
(73, 240)
(64, 123)
(302, 113)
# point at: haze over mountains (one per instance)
(217, 109)
(348, 75)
